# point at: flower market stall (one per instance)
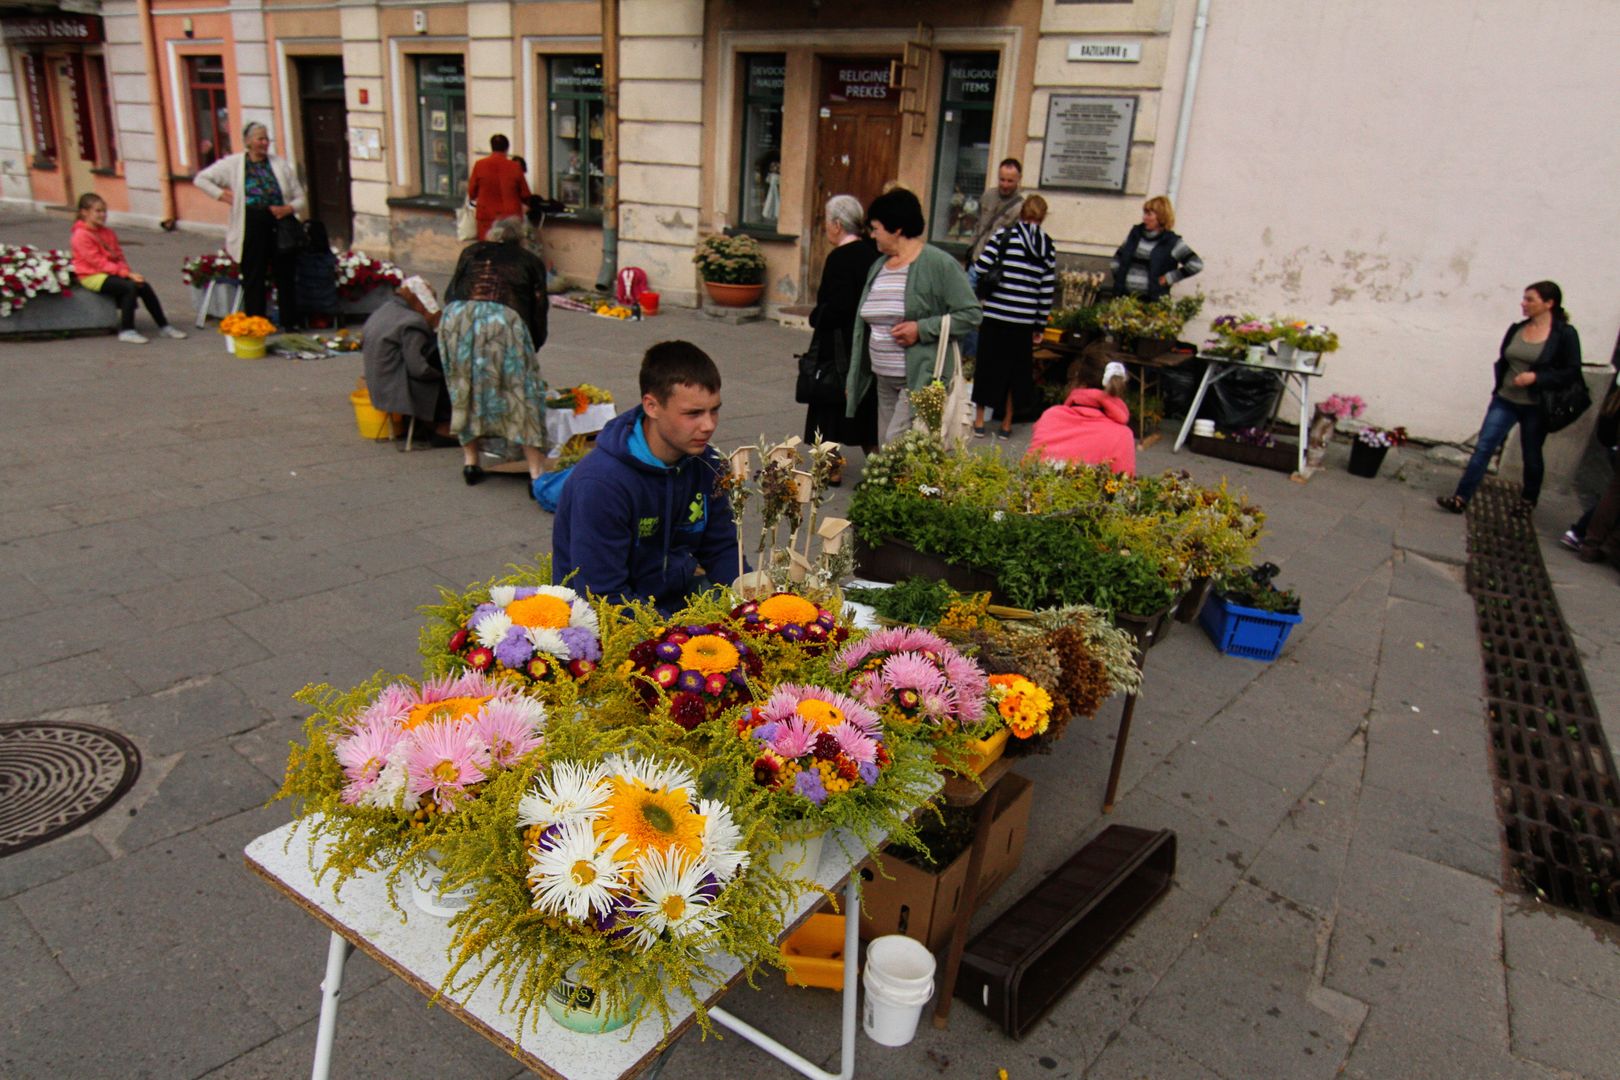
(37, 297)
(215, 281)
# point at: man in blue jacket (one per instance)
(641, 513)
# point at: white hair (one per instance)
(847, 212)
(505, 230)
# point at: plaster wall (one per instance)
(1400, 172)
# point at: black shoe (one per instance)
(1453, 503)
(473, 474)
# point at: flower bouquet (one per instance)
(1025, 708)
(1381, 437)
(387, 768)
(248, 326)
(26, 271)
(730, 260)
(1245, 331)
(578, 398)
(199, 270)
(358, 274)
(921, 687)
(701, 670)
(1370, 445)
(605, 888)
(1342, 406)
(791, 619)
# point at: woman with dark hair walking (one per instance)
(1540, 352)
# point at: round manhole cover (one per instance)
(55, 777)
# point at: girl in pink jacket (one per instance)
(98, 260)
(1092, 425)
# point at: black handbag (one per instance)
(1561, 406)
(818, 382)
(990, 280)
(289, 235)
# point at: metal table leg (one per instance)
(852, 953)
(338, 951)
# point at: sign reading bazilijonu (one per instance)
(1088, 142)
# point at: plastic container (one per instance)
(1247, 632)
(899, 981)
(371, 423)
(800, 856)
(649, 303)
(427, 884)
(248, 348)
(814, 953)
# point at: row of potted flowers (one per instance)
(357, 273)
(27, 272)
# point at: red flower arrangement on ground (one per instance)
(703, 670)
(793, 619)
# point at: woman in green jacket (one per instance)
(896, 331)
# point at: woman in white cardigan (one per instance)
(261, 190)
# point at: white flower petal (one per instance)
(501, 595)
(492, 628)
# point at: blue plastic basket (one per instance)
(1246, 632)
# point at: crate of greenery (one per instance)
(1249, 616)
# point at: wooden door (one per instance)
(77, 175)
(326, 161)
(857, 140)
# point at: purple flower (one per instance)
(691, 681)
(480, 611)
(792, 632)
(709, 888)
(668, 651)
(523, 592)
(765, 733)
(582, 644)
(808, 784)
(740, 677)
(868, 771)
(514, 649)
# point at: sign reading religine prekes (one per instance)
(1088, 142)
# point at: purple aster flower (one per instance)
(480, 611)
(582, 644)
(709, 888)
(792, 632)
(523, 592)
(868, 771)
(808, 784)
(740, 677)
(514, 649)
(691, 681)
(765, 733)
(668, 650)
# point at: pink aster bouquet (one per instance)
(541, 632)
(915, 677)
(702, 669)
(387, 768)
(790, 618)
(1342, 406)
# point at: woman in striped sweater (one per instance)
(1014, 315)
(1153, 258)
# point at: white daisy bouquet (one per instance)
(387, 767)
(603, 865)
(521, 629)
(26, 271)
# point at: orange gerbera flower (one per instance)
(546, 612)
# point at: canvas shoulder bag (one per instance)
(956, 421)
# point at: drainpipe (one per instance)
(1184, 120)
(610, 145)
(160, 122)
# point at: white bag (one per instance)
(956, 422)
(466, 223)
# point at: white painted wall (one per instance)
(1400, 171)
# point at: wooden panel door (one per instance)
(857, 145)
(326, 162)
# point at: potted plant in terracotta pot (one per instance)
(732, 269)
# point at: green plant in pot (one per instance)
(732, 268)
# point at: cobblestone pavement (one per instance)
(187, 538)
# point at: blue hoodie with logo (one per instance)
(636, 528)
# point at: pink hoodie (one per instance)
(97, 251)
(1091, 426)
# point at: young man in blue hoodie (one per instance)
(641, 513)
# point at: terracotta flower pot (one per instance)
(733, 295)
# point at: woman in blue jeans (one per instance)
(1540, 352)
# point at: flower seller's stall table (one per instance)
(416, 951)
(1294, 377)
(1146, 370)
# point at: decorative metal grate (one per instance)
(56, 776)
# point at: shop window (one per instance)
(441, 104)
(963, 172)
(39, 110)
(210, 116)
(761, 196)
(574, 87)
(102, 114)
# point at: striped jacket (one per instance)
(1028, 274)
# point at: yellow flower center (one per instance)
(546, 612)
(660, 819)
(709, 653)
(787, 608)
(583, 872)
(459, 709)
(824, 715)
(445, 772)
(673, 907)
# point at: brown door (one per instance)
(326, 146)
(73, 155)
(857, 139)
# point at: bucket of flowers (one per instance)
(1370, 445)
(1326, 418)
(359, 276)
(199, 271)
(387, 769)
(1301, 344)
(607, 888)
(245, 334)
(27, 272)
(1249, 332)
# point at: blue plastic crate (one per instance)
(1246, 632)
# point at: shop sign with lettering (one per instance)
(767, 80)
(577, 76)
(51, 29)
(971, 79)
(858, 80)
(1108, 52)
(443, 75)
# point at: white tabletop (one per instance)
(417, 951)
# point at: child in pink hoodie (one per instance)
(99, 262)
(1092, 425)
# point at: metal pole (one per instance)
(337, 953)
(1184, 119)
(610, 145)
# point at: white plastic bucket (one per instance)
(800, 856)
(899, 981)
(426, 884)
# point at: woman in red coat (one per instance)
(1092, 425)
(497, 188)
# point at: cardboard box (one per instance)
(925, 905)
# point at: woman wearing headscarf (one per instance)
(261, 189)
(404, 375)
(493, 326)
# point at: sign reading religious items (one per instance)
(1088, 142)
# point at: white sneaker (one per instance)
(132, 337)
(171, 332)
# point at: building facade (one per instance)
(1378, 167)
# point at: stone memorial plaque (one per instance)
(1088, 142)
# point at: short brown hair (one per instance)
(669, 364)
(1166, 213)
(1034, 210)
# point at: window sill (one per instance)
(425, 202)
(577, 217)
(42, 165)
(104, 172)
(760, 232)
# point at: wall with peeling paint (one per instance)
(1400, 172)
